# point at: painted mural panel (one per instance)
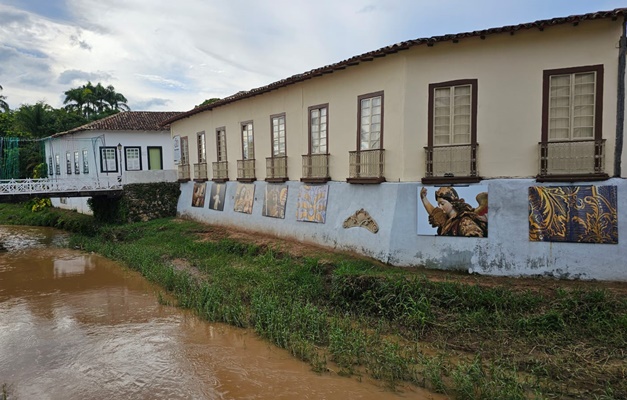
(451, 214)
(216, 197)
(579, 214)
(312, 203)
(274, 201)
(244, 197)
(198, 196)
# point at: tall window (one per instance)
(132, 158)
(248, 141)
(85, 162)
(184, 151)
(50, 166)
(318, 125)
(77, 168)
(573, 99)
(68, 163)
(278, 135)
(452, 113)
(221, 144)
(57, 164)
(202, 147)
(370, 121)
(108, 159)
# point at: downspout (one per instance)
(620, 101)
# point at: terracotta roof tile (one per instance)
(395, 48)
(128, 121)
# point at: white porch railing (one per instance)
(46, 186)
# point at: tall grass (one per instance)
(358, 318)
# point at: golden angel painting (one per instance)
(244, 198)
(578, 214)
(451, 215)
(198, 196)
(312, 203)
(274, 201)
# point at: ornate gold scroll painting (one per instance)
(274, 201)
(312, 203)
(244, 197)
(451, 214)
(579, 214)
(198, 196)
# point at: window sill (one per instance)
(200, 179)
(315, 180)
(277, 180)
(184, 180)
(246, 180)
(366, 181)
(220, 180)
(445, 180)
(572, 178)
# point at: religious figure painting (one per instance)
(455, 211)
(578, 214)
(274, 201)
(216, 197)
(244, 197)
(198, 196)
(312, 203)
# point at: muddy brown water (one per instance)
(78, 326)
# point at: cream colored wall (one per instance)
(509, 71)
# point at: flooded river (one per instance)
(78, 326)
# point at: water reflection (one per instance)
(78, 326)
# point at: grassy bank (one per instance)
(354, 317)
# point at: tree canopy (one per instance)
(89, 100)
(4, 106)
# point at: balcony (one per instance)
(366, 166)
(220, 171)
(183, 172)
(200, 171)
(246, 170)
(315, 168)
(572, 160)
(451, 164)
(276, 169)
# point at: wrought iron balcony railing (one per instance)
(276, 168)
(183, 172)
(576, 158)
(200, 171)
(246, 170)
(451, 162)
(315, 168)
(220, 170)
(366, 166)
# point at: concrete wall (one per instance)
(507, 250)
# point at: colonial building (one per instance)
(365, 153)
(128, 147)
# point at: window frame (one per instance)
(184, 150)
(272, 133)
(77, 169)
(359, 122)
(221, 149)
(201, 147)
(68, 163)
(318, 108)
(246, 155)
(139, 154)
(598, 106)
(114, 149)
(57, 164)
(85, 161)
(473, 109)
(148, 148)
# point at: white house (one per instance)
(497, 151)
(128, 147)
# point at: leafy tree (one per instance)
(4, 106)
(94, 102)
(35, 120)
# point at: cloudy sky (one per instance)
(171, 55)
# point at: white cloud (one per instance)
(173, 55)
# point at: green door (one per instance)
(155, 158)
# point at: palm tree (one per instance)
(4, 106)
(95, 101)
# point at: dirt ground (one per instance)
(300, 249)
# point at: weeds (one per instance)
(367, 319)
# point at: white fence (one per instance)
(48, 186)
